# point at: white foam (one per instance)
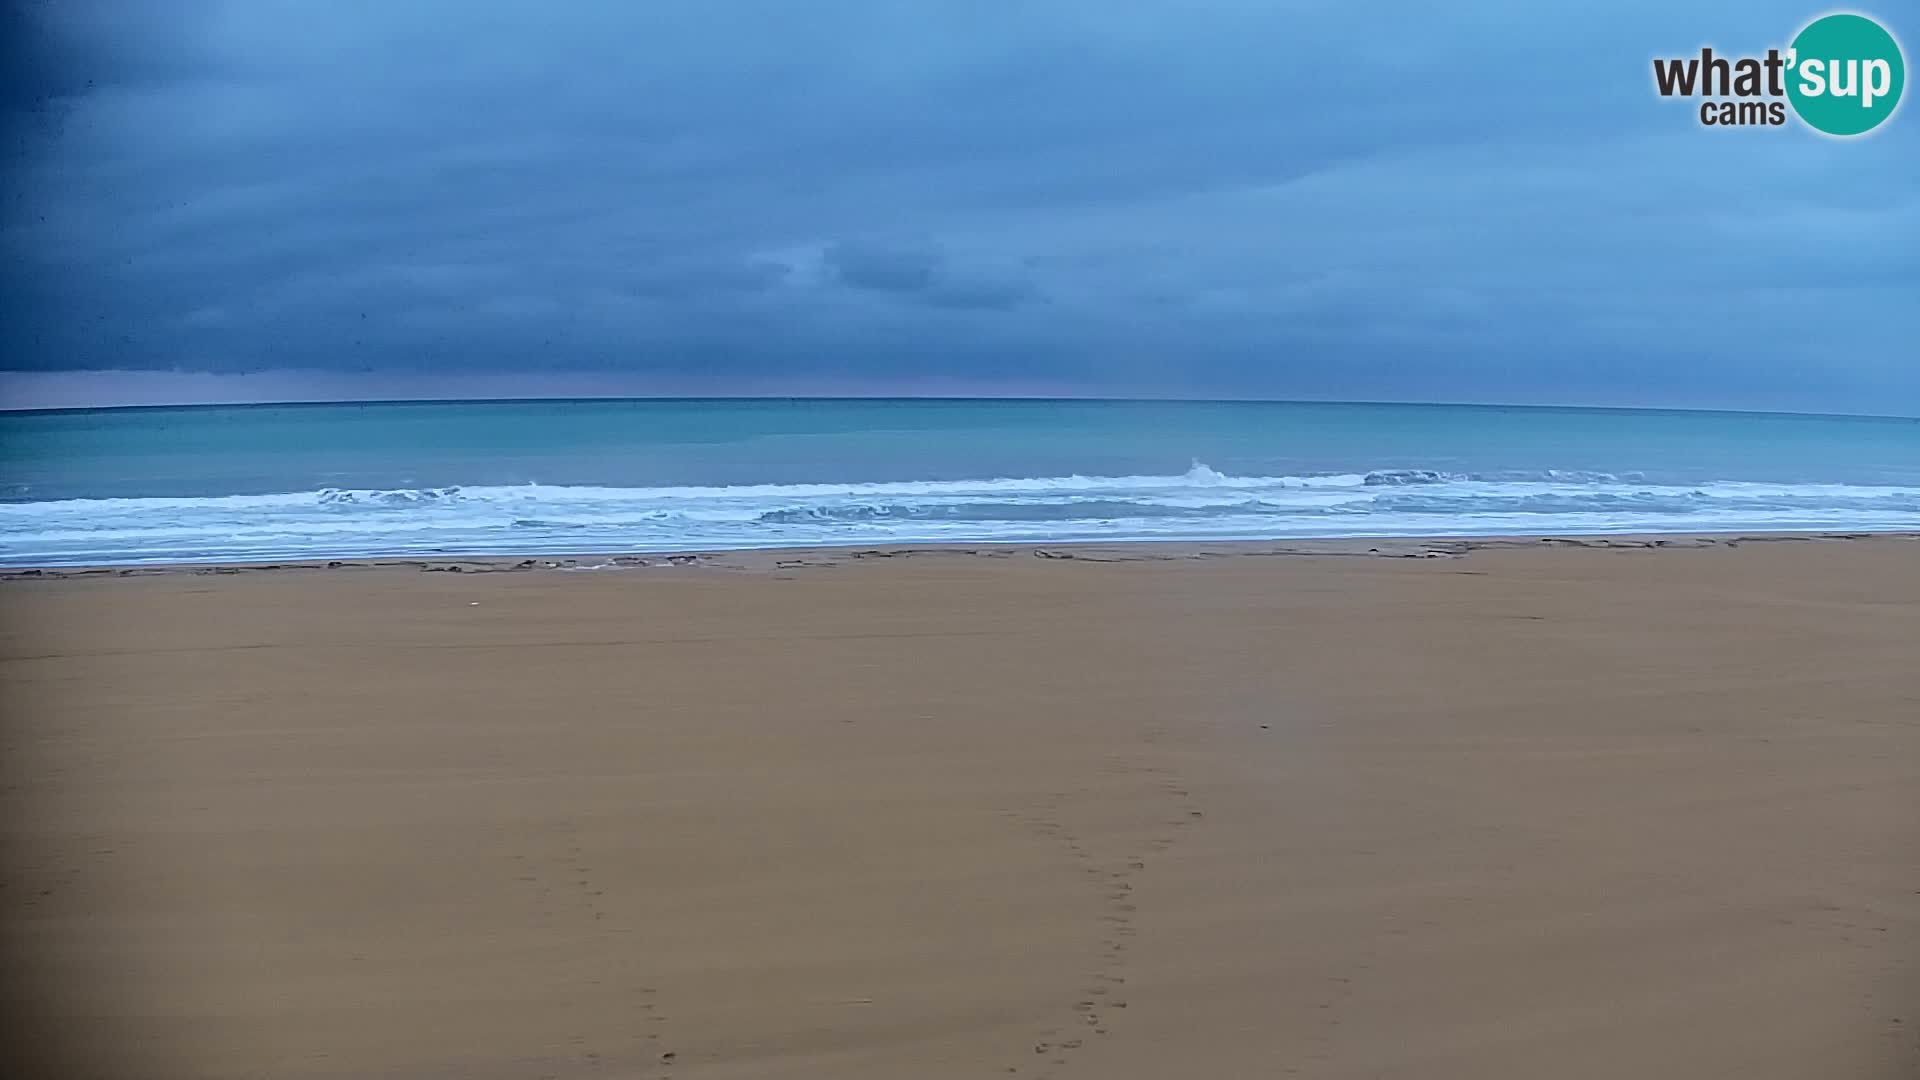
(1200, 503)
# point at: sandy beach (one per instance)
(1514, 810)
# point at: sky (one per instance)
(214, 200)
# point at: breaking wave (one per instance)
(1200, 503)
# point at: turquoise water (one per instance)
(261, 482)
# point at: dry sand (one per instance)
(1534, 811)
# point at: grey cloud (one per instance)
(981, 291)
(886, 269)
(1480, 200)
(926, 273)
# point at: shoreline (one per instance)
(800, 556)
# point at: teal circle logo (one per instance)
(1845, 74)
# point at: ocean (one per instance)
(241, 483)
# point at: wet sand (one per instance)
(1513, 809)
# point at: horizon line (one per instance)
(6, 410)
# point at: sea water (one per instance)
(124, 486)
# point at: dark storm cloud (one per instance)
(1468, 201)
(51, 54)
